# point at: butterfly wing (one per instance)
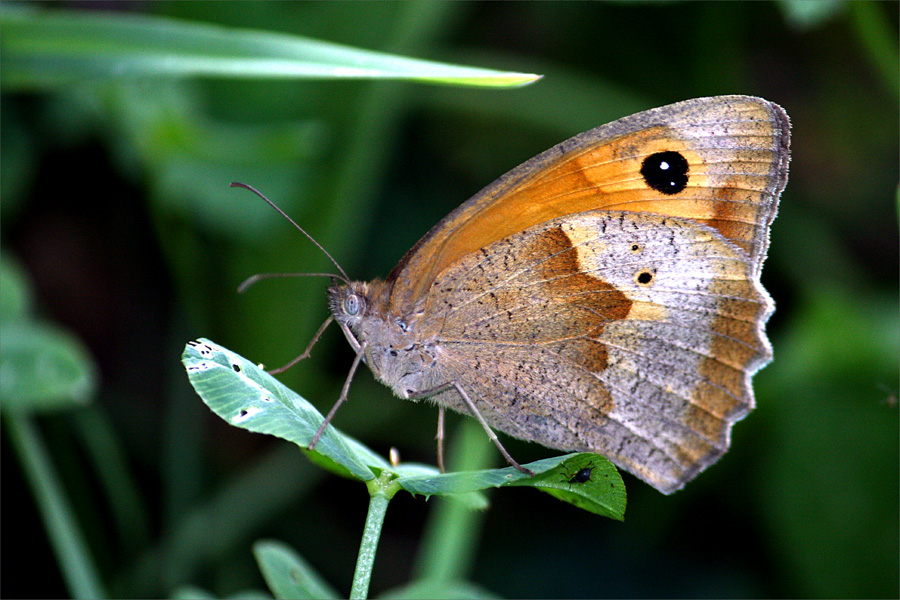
(626, 334)
(735, 149)
(605, 295)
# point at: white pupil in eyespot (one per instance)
(664, 166)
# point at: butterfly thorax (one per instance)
(393, 351)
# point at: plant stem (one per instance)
(381, 490)
(69, 546)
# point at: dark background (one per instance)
(116, 203)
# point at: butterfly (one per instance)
(604, 296)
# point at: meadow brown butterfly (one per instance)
(603, 296)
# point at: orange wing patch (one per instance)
(736, 169)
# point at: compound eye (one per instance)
(351, 305)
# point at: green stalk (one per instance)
(381, 490)
(65, 535)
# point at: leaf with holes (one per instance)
(246, 396)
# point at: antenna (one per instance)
(303, 231)
(260, 276)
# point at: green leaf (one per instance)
(249, 595)
(288, 574)
(246, 396)
(803, 15)
(43, 367)
(15, 291)
(602, 494)
(190, 592)
(472, 500)
(447, 590)
(56, 48)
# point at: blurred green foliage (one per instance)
(115, 201)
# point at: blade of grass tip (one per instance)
(54, 48)
(62, 527)
(448, 546)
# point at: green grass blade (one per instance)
(66, 538)
(53, 48)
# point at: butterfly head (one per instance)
(389, 344)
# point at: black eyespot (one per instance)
(236, 367)
(644, 277)
(665, 172)
(635, 248)
(351, 305)
(393, 352)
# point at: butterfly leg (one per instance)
(341, 399)
(306, 352)
(477, 414)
